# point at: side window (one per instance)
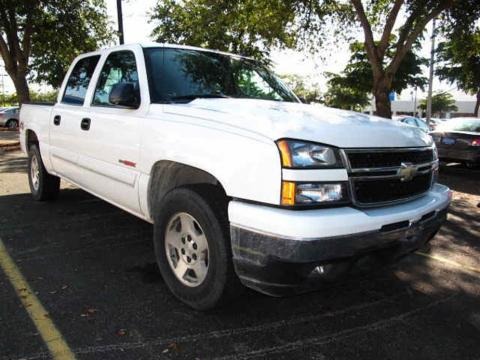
(120, 67)
(79, 79)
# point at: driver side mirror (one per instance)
(124, 94)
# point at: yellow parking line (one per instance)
(449, 262)
(51, 336)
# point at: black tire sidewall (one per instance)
(12, 122)
(210, 291)
(36, 193)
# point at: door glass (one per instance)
(79, 79)
(120, 67)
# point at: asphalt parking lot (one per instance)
(92, 269)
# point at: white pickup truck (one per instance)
(241, 181)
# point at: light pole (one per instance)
(120, 21)
(415, 103)
(430, 79)
(2, 75)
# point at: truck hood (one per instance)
(277, 120)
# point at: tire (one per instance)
(43, 186)
(12, 124)
(199, 288)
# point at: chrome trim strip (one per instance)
(390, 168)
(374, 150)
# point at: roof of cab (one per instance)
(164, 45)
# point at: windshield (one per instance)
(182, 75)
(469, 125)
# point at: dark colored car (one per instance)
(458, 140)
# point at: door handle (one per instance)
(56, 120)
(85, 124)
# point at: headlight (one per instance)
(300, 154)
(313, 193)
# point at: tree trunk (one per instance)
(21, 87)
(381, 90)
(477, 105)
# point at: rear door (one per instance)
(109, 146)
(66, 116)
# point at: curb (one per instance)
(10, 144)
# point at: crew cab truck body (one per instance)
(240, 179)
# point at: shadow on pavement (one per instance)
(94, 270)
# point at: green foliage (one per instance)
(66, 29)
(49, 96)
(341, 96)
(36, 96)
(459, 61)
(358, 73)
(7, 100)
(40, 38)
(442, 102)
(351, 88)
(246, 27)
(309, 93)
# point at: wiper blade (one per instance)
(198, 96)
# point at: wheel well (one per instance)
(31, 139)
(168, 175)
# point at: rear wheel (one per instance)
(12, 124)
(192, 247)
(43, 186)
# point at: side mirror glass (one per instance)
(124, 94)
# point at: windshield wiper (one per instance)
(198, 96)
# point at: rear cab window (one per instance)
(79, 79)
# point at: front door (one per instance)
(108, 140)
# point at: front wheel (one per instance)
(43, 186)
(193, 250)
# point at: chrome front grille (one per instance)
(384, 176)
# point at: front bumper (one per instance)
(471, 154)
(281, 264)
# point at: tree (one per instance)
(341, 95)
(355, 82)
(459, 58)
(309, 93)
(246, 27)
(39, 38)
(308, 23)
(442, 103)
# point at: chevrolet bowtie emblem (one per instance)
(407, 171)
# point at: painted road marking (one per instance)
(441, 259)
(51, 336)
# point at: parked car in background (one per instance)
(458, 140)
(9, 117)
(413, 121)
(435, 122)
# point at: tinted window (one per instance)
(79, 79)
(120, 67)
(422, 125)
(410, 121)
(181, 75)
(469, 125)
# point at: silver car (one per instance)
(9, 117)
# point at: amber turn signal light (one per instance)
(288, 193)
